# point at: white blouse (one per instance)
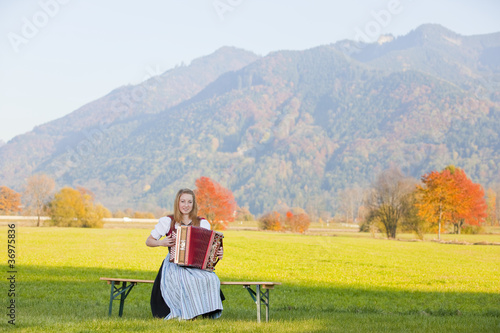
(163, 226)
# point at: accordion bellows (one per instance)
(196, 247)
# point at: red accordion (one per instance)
(196, 247)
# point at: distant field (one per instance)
(314, 228)
(342, 283)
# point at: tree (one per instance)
(350, 200)
(74, 208)
(413, 222)
(436, 198)
(37, 194)
(471, 207)
(243, 214)
(389, 201)
(10, 201)
(497, 204)
(215, 203)
(103, 211)
(450, 196)
(491, 201)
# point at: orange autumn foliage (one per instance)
(10, 201)
(271, 221)
(450, 196)
(298, 222)
(472, 207)
(292, 222)
(215, 203)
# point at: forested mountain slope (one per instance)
(293, 127)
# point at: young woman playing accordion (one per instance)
(183, 292)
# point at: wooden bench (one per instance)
(120, 288)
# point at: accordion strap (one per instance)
(172, 225)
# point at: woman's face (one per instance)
(186, 203)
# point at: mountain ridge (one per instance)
(295, 127)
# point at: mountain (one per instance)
(291, 128)
(67, 136)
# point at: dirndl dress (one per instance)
(185, 293)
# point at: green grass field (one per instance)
(344, 283)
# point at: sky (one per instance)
(58, 55)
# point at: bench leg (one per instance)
(258, 295)
(122, 298)
(257, 291)
(266, 302)
(111, 298)
(122, 292)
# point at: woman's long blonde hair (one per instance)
(193, 215)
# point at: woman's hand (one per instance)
(169, 241)
(220, 253)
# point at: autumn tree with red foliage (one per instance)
(10, 201)
(450, 196)
(472, 207)
(215, 203)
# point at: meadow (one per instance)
(347, 282)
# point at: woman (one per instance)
(183, 292)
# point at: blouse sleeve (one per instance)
(205, 224)
(161, 228)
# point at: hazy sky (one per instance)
(57, 55)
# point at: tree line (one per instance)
(393, 203)
(76, 207)
(69, 207)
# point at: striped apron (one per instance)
(190, 292)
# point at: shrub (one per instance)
(472, 229)
(143, 215)
(292, 222)
(270, 221)
(297, 223)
